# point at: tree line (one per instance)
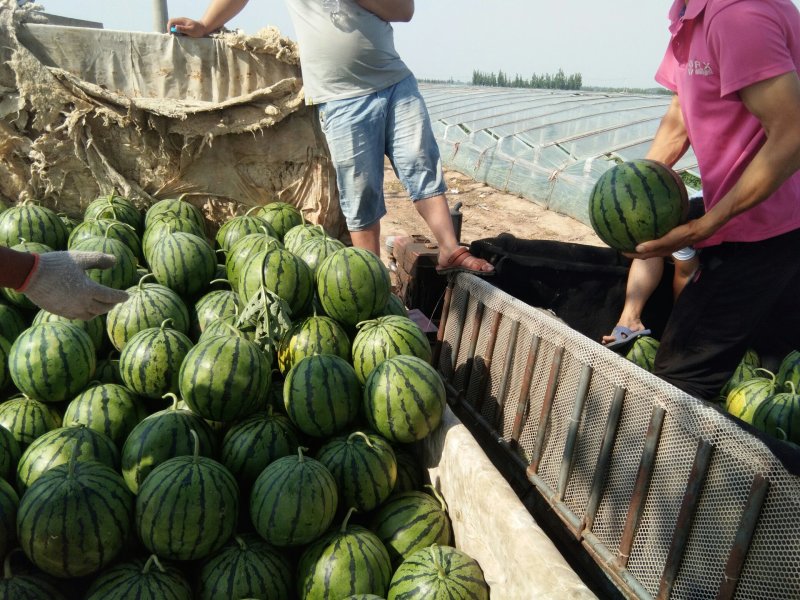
(557, 81)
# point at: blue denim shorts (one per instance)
(360, 131)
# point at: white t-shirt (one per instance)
(345, 54)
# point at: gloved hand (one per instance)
(58, 284)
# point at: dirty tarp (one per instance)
(492, 525)
(88, 112)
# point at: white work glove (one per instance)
(59, 285)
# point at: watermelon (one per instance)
(96, 327)
(281, 216)
(151, 360)
(117, 208)
(238, 227)
(183, 262)
(353, 285)
(25, 586)
(107, 228)
(364, 467)
(27, 419)
(108, 408)
(108, 370)
(120, 276)
(404, 399)
(5, 351)
(309, 336)
(299, 234)
(164, 226)
(252, 444)
(316, 249)
(225, 378)
(744, 399)
(280, 272)
(637, 201)
(246, 567)
(411, 521)
(59, 446)
(744, 371)
(75, 519)
(321, 395)
(187, 507)
(364, 597)
(789, 371)
(348, 560)
(12, 323)
(643, 352)
(52, 361)
(9, 502)
(14, 297)
(244, 249)
(439, 572)
(293, 500)
(141, 579)
(385, 337)
(148, 305)
(409, 472)
(779, 415)
(163, 435)
(10, 452)
(228, 326)
(213, 305)
(32, 223)
(394, 306)
(174, 207)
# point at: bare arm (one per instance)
(389, 10)
(671, 140)
(16, 266)
(217, 14)
(776, 104)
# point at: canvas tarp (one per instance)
(88, 112)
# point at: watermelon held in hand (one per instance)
(637, 201)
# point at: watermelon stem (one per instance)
(300, 451)
(153, 559)
(241, 542)
(770, 374)
(360, 434)
(792, 387)
(438, 496)
(164, 323)
(143, 277)
(213, 281)
(196, 438)
(174, 400)
(343, 528)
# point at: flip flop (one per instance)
(624, 336)
(458, 264)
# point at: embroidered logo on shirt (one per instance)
(699, 67)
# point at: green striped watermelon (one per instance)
(117, 208)
(299, 234)
(120, 276)
(316, 249)
(246, 567)
(643, 352)
(637, 201)
(213, 305)
(364, 467)
(5, 351)
(187, 507)
(244, 249)
(385, 337)
(148, 305)
(238, 227)
(411, 521)
(52, 361)
(174, 207)
(348, 560)
(404, 399)
(252, 444)
(439, 572)
(280, 272)
(75, 519)
(69, 223)
(151, 360)
(779, 415)
(10, 452)
(9, 502)
(163, 435)
(25, 586)
(293, 500)
(140, 579)
(12, 323)
(96, 327)
(789, 371)
(744, 399)
(309, 336)
(109, 408)
(744, 371)
(225, 378)
(183, 262)
(281, 216)
(353, 285)
(27, 418)
(32, 223)
(228, 326)
(321, 395)
(59, 446)
(14, 297)
(394, 306)
(107, 228)
(164, 226)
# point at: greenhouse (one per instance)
(545, 145)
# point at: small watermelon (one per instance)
(244, 249)
(789, 370)
(117, 208)
(637, 201)
(744, 399)
(299, 234)
(141, 579)
(184, 262)
(25, 586)
(280, 272)
(96, 327)
(385, 337)
(643, 352)
(779, 415)
(281, 216)
(746, 369)
(238, 227)
(107, 228)
(438, 572)
(211, 306)
(29, 222)
(164, 226)
(27, 418)
(316, 249)
(309, 336)
(108, 408)
(174, 207)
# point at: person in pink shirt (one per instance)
(733, 65)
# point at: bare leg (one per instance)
(684, 270)
(368, 238)
(643, 279)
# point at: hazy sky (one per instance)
(610, 44)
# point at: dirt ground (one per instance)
(486, 213)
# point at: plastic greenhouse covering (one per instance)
(548, 146)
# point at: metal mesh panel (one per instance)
(692, 444)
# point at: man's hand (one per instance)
(187, 26)
(681, 236)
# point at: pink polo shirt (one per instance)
(717, 48)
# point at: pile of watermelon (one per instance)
(243, 426)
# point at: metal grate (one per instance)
(670, 497)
